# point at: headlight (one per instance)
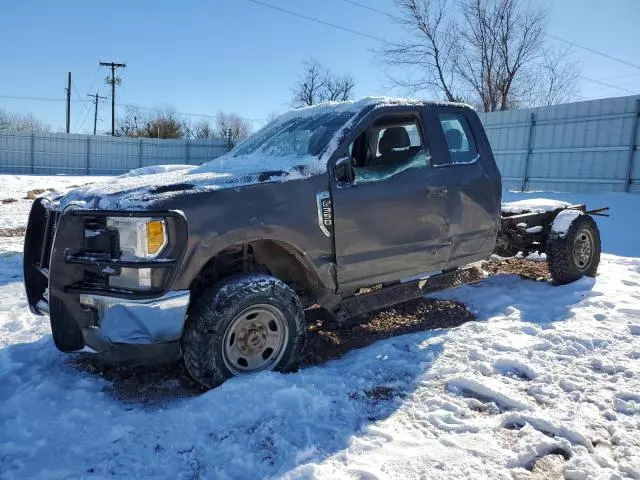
(140, 237)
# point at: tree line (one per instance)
(166, 123)
(491, 54)
(21, 123)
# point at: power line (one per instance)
(87, 112)
(597, 52)
(17, 97)
(605, 84)
(322, 22)
(95, 77)
(132, 105)
(367, 7)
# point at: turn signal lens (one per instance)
(156, 237)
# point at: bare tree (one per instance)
(427, 61)
(128, 124)
(21, 123)
(160, 123)
(554, 79)
(318, 84)
(310, 87)
(339, 89)
(203, 128)
(478, 50)
(232, 127)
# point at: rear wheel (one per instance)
(242, 325)
(576, 252)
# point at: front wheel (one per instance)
(575, 251)
(242, 325)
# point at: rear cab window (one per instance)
(459, 139)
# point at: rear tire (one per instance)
(575, 253)
(242, 325)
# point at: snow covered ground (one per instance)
(545, 384)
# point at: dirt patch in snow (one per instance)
(527, 269)
(35, 193)
(328, 340)
(12, 232)
(5, 201)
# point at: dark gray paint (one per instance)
(417, 221)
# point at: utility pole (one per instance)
(96, 97)
(68, 89)
(228, 135)
(113, 81)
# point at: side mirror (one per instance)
(343, 170)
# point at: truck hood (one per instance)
(139, 189)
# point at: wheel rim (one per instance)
(255, 339)
(583, 249)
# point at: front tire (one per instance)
(243, 324)
(576, 252)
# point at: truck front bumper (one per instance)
(71, 286)
(137, 321)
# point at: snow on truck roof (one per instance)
(355, 106)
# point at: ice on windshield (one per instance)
(283, 145)
(298, 136)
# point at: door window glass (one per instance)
(462, 148)
(381, 152)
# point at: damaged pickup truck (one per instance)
(353, 206)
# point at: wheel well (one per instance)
(268, 256)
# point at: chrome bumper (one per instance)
(139, 322)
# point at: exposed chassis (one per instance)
(527, 232)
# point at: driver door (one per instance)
(390, 216)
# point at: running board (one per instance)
(403, 292)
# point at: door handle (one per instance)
(437, 192)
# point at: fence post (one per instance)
(632, 146)
(525, 170)
(33, 155)
(140, 153)
(88, 167)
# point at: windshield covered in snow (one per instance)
(288, 143)
(298, 136)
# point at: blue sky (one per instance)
(233, 55)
